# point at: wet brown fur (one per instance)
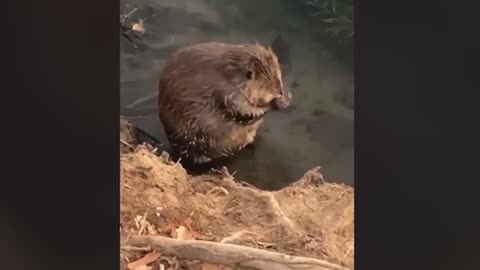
(213, 96)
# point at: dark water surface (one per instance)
(317, 131)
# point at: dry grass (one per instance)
(308, 218)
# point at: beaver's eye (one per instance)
(249, 74)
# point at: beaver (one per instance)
(213, 97)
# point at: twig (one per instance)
(236, 236)
(125, 29)
(136, 248)
(122, 21)
(127, 144)
(221, 190)
(178, 161)
(231, 255)
(142, 100)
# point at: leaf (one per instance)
(335, 20)
(330, 20)
(182, 233)
(138, 27)
(149, 258)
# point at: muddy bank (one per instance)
(309, 217)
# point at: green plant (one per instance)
(336, 16)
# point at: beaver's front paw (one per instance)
(282, 102)
(201, 159)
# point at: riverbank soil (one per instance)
(310, 217)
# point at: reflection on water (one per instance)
(316, 131)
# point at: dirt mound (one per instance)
(308, 218)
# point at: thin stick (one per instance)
(127, 144)
(136, 248)
(142, 100)
(128, 15)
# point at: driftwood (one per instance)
(229, 254)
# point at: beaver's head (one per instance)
(256, 71)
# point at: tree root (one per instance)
(227, 183)
(229, 254)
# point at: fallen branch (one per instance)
(229, 254)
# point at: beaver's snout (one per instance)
(282, 102)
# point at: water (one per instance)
(318, 131)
